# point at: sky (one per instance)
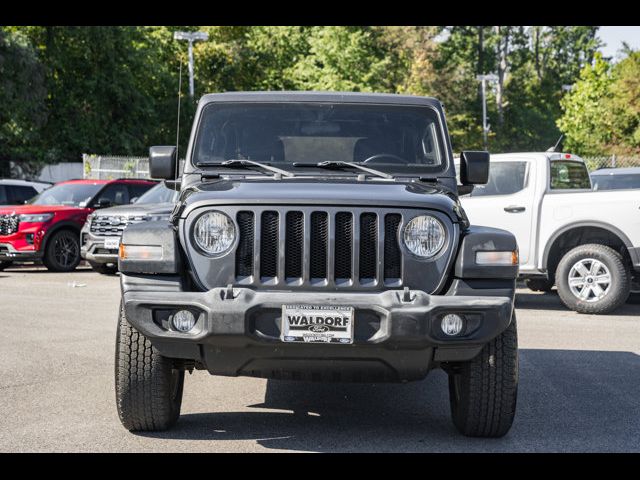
(613, 36)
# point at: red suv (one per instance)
(48, 226)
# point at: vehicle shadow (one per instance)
(568, 401)
(551, 301)
(43, 270)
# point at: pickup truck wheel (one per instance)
(5, 264)
(483, 391)
(593, 278)
(148, 388)
(62, 253)
(539, 284)
(103, 268)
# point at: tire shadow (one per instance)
(551, 301)
(569, 401)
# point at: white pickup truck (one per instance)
(585, 242)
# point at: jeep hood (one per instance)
(320, 192)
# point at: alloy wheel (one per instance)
(589, 279)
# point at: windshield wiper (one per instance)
(242, 163)
(332, 165)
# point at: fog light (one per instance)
(452, 324)
(183, 320)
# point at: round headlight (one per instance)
(214, 233)
(424, 236)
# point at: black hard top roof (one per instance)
(331, 97)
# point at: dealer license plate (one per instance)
(316, 324)
(112, 243)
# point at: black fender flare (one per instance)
(562, 230)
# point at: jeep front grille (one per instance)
(306, 246)
(112, 225)
(9, 224)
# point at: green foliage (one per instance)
(114, 90)
(586, 118)
(22, 95)
(601, 115)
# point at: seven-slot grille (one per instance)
(357, 248)
(8, 224)
(112, 225)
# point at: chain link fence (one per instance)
(613, 161)
(109, 167)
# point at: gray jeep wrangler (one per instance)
(318, 236)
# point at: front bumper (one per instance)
(397, 334)
(93, 250)
(9, 253)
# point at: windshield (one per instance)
(158, 194)
(72, 194)
(389, 137)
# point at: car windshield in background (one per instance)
(615, 181)
(505, 178)
(391, 138)
(72, 194)
(158, 194)
(567, 175)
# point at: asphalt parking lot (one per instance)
(579, 386)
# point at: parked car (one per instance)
(318, 236)
(585, 242)
(100, 235)
(16, 192)
(47, 228)
(616, 178)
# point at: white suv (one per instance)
(16, 192)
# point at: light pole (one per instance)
(191, 37)
(491, 77)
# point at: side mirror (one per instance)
(103, 202)
(474, 168)
(134, 200)
(162, 162)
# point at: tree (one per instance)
(602, 112)
(22, 96)
(586, 120)
(343, 59)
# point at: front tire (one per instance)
(483, 391)
(103, 268)
(148, 388)
(62, 253)
(593, 279)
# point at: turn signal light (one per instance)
(140, 252)
(497, 258)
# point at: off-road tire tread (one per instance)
(620, 289)
(143, 382)
(490, 384)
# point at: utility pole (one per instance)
(491, 77)
(191, 37)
